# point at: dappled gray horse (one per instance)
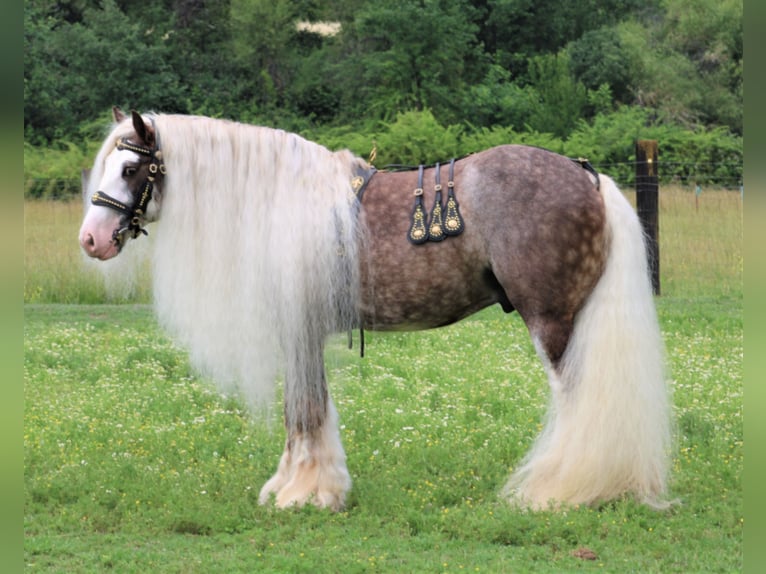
(265, 243)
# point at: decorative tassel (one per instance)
(418, 231)
(436, 227)
(453, 221)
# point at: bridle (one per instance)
(135, 213)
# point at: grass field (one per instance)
(134, 464)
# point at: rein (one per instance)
(136, 212)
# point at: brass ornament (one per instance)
(418, 233)
(436, 227)
(453, 221)
(444, 221)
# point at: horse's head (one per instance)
(122, 195)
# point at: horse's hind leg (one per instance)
(313, 465)
(607, 433)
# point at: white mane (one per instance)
(255, 254)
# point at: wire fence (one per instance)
(694, 175)
(697, 176)
(52, 188)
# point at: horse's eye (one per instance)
(129, 171)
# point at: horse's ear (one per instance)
(145, 133)
(118, 114)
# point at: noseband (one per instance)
(136, 212)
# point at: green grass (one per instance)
(701, 243)
(700, 250)
(54, 265)
(134, 464)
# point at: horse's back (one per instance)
(407, 286)
(533, 219)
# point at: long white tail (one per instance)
(608, 429)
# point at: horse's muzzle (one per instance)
(98, 247)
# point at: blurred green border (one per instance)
(12, 290)
(755, 288)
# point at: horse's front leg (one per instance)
(313, 465)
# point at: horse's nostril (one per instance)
(90, 241)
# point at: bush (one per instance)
(416, 137)
(704, 156)
(497, 101)
(701, 156)
(56, 172)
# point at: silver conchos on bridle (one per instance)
(135, 213)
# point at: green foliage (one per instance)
(599, 58)
(609, 141)
(562, 99)
(55, 172)
(313, 94)
(263, 33)
(490, 63)
(415, 138)
(412, 55)
(73, 70)
(360, 139)
(702, 157)
(515, 30)
(498, 101)
(553, 72)
(691, 62)
(704, 29)
(709, 156)
(132, 463)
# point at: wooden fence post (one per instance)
(647, 203)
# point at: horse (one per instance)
(265, 243)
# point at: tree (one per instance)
(562, 99)
(599, 57)
(41, 106)
(75, 71)
(483, 62)
(499, 101)
(709, 34)
(263, 36)
(200, 53)
(691, 62)
(412, 54)
(515, 30)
